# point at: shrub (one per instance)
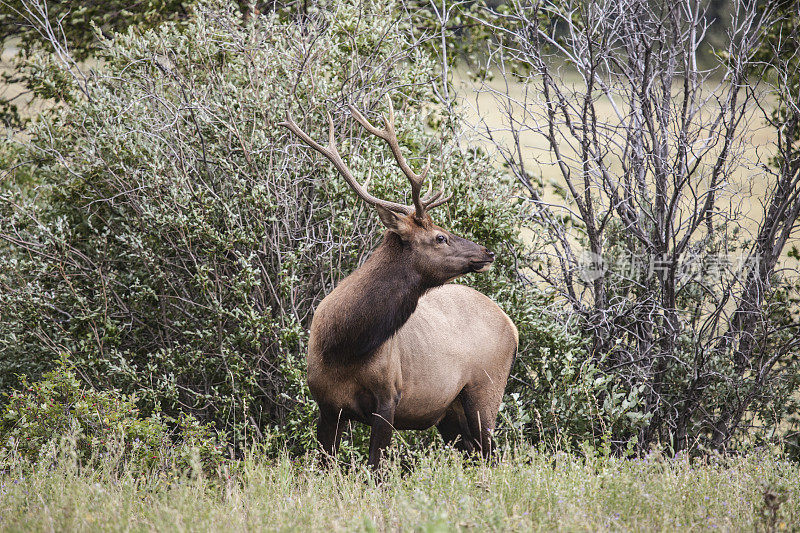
(38, 419)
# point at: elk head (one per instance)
(436, 254)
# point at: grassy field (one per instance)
(438, 491)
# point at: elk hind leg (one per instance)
(480, 411)
(454, 430)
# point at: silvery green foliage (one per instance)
(178, 239)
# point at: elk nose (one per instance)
(489, 253)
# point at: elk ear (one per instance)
(395, 222)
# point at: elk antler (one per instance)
(421, 205)
(332, 153)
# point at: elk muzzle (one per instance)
(482, 265)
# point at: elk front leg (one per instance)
(329, 433)
(381, 435)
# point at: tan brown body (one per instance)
(456, 339)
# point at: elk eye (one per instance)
(441, 239)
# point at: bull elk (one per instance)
(394, 345)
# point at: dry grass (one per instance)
(528, 490)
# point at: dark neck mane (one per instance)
(371, 304)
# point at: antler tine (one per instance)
(416, 186)
(436, 203)
(430, 183)
(430, 198)
(388, 134)
(332, 154)
(434, 200)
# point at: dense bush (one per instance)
(42, 419)
(178, 239)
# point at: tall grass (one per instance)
(435, 491)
